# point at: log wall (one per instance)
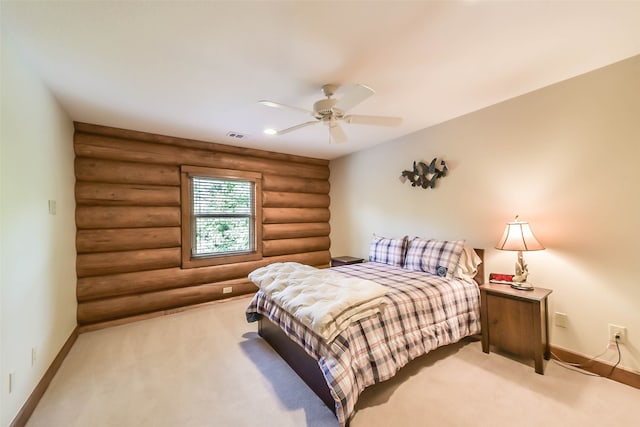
(128, 219)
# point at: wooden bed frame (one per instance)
(306, 366)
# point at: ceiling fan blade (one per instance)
(274, 104)
(337, 134)
(373, 120)
(296, 127)
(353, 97)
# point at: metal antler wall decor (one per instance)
(424, 176)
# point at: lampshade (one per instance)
(518, 237)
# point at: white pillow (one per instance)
(467, 266)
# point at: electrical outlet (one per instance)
(33, 356)
(620, 331)
(227, 290)
(11, 381)
(562, 320)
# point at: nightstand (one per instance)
(345, 260)
(516, 321)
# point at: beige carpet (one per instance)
(208, 367)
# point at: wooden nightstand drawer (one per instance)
(345, 260)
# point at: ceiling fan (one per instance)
(331, 111)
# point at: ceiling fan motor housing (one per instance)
(324, 108)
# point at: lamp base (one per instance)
(522, 286)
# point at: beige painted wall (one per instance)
(566, 158)
(37, 273)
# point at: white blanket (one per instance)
(323, 300)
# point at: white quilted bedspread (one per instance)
(323, 300)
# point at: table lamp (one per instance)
(519, 237)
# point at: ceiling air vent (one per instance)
(235, 135)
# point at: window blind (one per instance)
(223, 213)
(222, 197)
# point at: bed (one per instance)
(421, 311)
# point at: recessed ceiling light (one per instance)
(270, 131)
(268, 103)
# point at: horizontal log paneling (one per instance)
(273, 199)
(114, 308)
(127, 239)
(126, 217)
(96, 193)
(295, 185)
(183, 142)
(99, 147)
(90, 288)
(129, 214)
(287, 215)
(96, 170)
(290, 231)
(295, 246)
(98, 264)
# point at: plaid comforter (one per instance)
(422, 312)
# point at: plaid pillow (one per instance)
(388, 251)
(434, 256)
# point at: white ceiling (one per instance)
(197, 69)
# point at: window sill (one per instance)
(220, 260)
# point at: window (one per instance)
(220, 216)
(222, 211)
